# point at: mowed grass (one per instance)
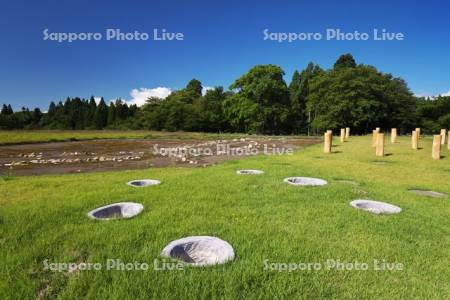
(41, 136)
(264, 219)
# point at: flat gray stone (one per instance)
(250, 172)
(428, 193)
(305, 181)
(376, 207)
(143, 182)
(120, 210)
(199, 250)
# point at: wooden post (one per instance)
(418, 133)
(393, 135)
(377, 129)
(327, 141)
(443, 132)
(436, 154)
(330, 132)
(342, 135)
(380, 145)
(448, 140)
(374, 137)
(415, 140)
(347, 133)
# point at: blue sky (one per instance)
(222, 40)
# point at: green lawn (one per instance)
(264, 219)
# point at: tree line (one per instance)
(260, 101)
(74, 113)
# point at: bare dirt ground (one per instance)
(127, 154)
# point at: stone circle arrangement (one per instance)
(375, 207)
(305, 181)
(249, 172)
(120, 210)
(199, 250)
(143, 182)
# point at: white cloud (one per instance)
(206, 88)
(431, 96)
(139, 96)
(97, 99)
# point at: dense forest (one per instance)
(260, 101)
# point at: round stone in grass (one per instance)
(427, 193)
(143, 182)
(121, 210)
(376, 207)
(250, 172)
(305, 181)
(199, 250)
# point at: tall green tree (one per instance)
(36, 116)
(4, 109)
(360, 97)
(7, 110)
(260, 103)
(299, 92)
(194, 88)
(345, 61)
(51, 110)
(101, 115)
(211, 108)
(111, 120)
(90, 114)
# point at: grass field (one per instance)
(264, 219)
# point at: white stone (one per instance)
(143, 182)
(116, 211)
(249, 172)
(199, 250)
(375, 207)
(305, 181)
